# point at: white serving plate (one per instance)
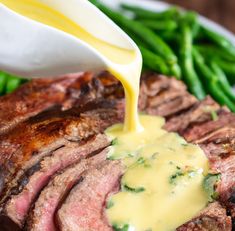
(159, 6)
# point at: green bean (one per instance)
(175, 71)
(211, 81)
(154, 62)
(219, 40)
(194, 22)
(12, 83)
(219, 96)
(163, 25)
(153, 41)
(148, 14)
(135, 38)
(191, 18)
(228, 67)
(3, 80)
(225, 85)
(204, 69)
(221, 58)
(189, 74)
(168, 36)
(212, 51)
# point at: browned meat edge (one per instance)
(34, 97)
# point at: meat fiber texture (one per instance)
(53, 169)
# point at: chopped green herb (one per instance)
(130, 154)
(181, 172)
(110, 156)
(184, 144)
(141, 160)
(114, 141)
(214, 115)
(175, 177)
(121, 227)
(110, 204)
(135, 190)
(154, 156)
(147, 165)
(209, 184)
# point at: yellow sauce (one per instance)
(126, 72)
(162, 187)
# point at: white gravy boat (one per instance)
(32, 49)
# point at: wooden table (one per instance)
(221, 11)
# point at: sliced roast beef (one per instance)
(84, 207)
(54, 129)
(111, 87)
(213, 218)
(219, 147)
(41, 94)
(173, 106)
(219, 144)
(200, 112)
(226, 186)
(32, 98)
(42, 215)
(44, 134)
(198, 131)
(153, 85)
(21, 199)
(230, 206)
(164, 97)
(217, 139)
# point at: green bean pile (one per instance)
(174, 43)
(8, 83)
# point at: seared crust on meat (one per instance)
(32, 98)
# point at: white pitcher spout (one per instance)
(32, 49)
